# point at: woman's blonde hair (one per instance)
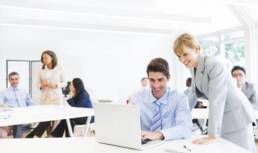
(185, 40)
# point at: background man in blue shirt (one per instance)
(15, 97)
(165, 113)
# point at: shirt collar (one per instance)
(13, 88)
(47, 69)
(162, 100)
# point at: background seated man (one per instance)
(144, 82)
(188, 84)
(165, 113)
(198, 104)
(247, 88)
(14, 97)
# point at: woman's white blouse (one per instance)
(55, 76)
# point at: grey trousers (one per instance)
(243, 138)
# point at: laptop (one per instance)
(119, 125)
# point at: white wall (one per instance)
(110, 63)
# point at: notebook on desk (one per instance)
(119, 125)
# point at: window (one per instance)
(235, 52)
(226, 44)
(210, 45)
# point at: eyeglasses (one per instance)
(238, 75)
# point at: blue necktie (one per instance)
(156, 124)
(16, 98)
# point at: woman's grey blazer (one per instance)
(229, 109)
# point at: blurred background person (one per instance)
(198, 104)
(145, 82)
(79, 98)
(14, 97)
(51, 82)
(188, 85)
(247, 88)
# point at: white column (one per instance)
(250, 44)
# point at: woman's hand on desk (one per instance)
(203, 140)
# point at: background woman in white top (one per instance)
(51, 81)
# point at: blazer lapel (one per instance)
(198, 78)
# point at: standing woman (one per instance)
(230, 112)
(51, 81)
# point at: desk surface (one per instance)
(200, 113)
(89, 145)
(32, 114)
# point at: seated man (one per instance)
(165, 113)
(14, 97)
(247, 88)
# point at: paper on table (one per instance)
(169, 150)
(5, 113)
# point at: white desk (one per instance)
(24, 115)
(200, 113)
(256, 114)
(203, 114)
(89, 145)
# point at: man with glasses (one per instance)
(247, 88)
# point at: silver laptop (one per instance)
(119, 125)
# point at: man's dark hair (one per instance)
(158, 65)
(238, 68)
(13, 73)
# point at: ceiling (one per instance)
(150, 16)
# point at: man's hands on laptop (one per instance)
(152, 135)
